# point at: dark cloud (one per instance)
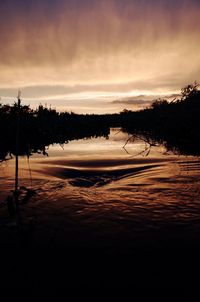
(136, 102)
(142, 100)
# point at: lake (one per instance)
(102, 185)
(95, 194)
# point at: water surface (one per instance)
(97, 188)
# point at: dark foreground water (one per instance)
(102, 209)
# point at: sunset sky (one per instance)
(97, 55)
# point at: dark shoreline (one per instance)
(173, 124)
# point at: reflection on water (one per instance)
(95, 184)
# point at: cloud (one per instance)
(145, 99)
(136, 102)
(55, 48)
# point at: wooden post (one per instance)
(17, 149)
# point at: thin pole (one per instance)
(17, 146)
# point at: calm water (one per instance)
(95, 187)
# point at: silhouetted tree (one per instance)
(190, 90)
(176, 124)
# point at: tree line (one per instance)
(174, 124)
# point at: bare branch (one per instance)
(147, 148)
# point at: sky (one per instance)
(97, 56)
